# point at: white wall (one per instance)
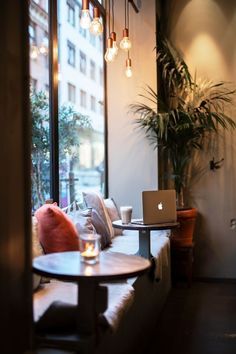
(132, 161)
(204, 30)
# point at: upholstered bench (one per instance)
(133, 305)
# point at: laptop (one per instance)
(159, 207)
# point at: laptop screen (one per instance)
(159, 206)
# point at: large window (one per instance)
(68, 143)
(40, 168)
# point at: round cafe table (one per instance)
(92, 297)
(144, 233)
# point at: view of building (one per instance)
(80, 86)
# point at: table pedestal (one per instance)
(144, 244)
(92, 300)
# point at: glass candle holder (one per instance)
(89, 248)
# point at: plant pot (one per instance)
(182, 236)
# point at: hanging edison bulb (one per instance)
(109, 55)
(125, 43)
(128, 69)
(85, 18)
(43, 49)
(96, 26)
(114, 46)
(34, 52)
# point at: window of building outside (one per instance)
(83, 62)
(83, 99)
(93, 103)
(33, 83)
(101, 76)
(82, 31)
(71, 12)
(70, 53)
(92, 70)
(71, 93)
(81, 141)
(32, 33)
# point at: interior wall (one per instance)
(132, 162)
(204, 31)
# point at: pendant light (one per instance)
(113, 33)
(96, 26)
(125, 43)
(85, 18)
(128, 69)
(109, 55)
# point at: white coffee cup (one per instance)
(126, 214)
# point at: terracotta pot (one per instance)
(182, 236)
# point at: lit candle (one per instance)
(89, 248)
(90, 252)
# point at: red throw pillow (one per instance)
(57, 233)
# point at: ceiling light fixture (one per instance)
(85, 19)
(125, 43)
(128, 69)
(109, 55)
(96, 26)
(113, 33)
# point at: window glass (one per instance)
(70, 53)
(92, 70)
(32, 32)
(39, 84)
(71, 12)
(93, 103)
(71, 93)
(83, 99)
(83, 62)
(81, 122)
(81, 104)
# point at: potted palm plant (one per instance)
(180, 118)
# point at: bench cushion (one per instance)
(120, 297)
(56, 231)
(160, 247)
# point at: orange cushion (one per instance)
(57, 233)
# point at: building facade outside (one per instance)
(81, 87)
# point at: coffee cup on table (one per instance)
(126, 214)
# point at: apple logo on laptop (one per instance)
(160, 206)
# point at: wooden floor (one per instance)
(198, 320)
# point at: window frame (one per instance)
(53, 99)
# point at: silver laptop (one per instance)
(159, 207)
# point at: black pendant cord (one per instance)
(109, 17)
(113, 16)
(128, 15)
(125, 13)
